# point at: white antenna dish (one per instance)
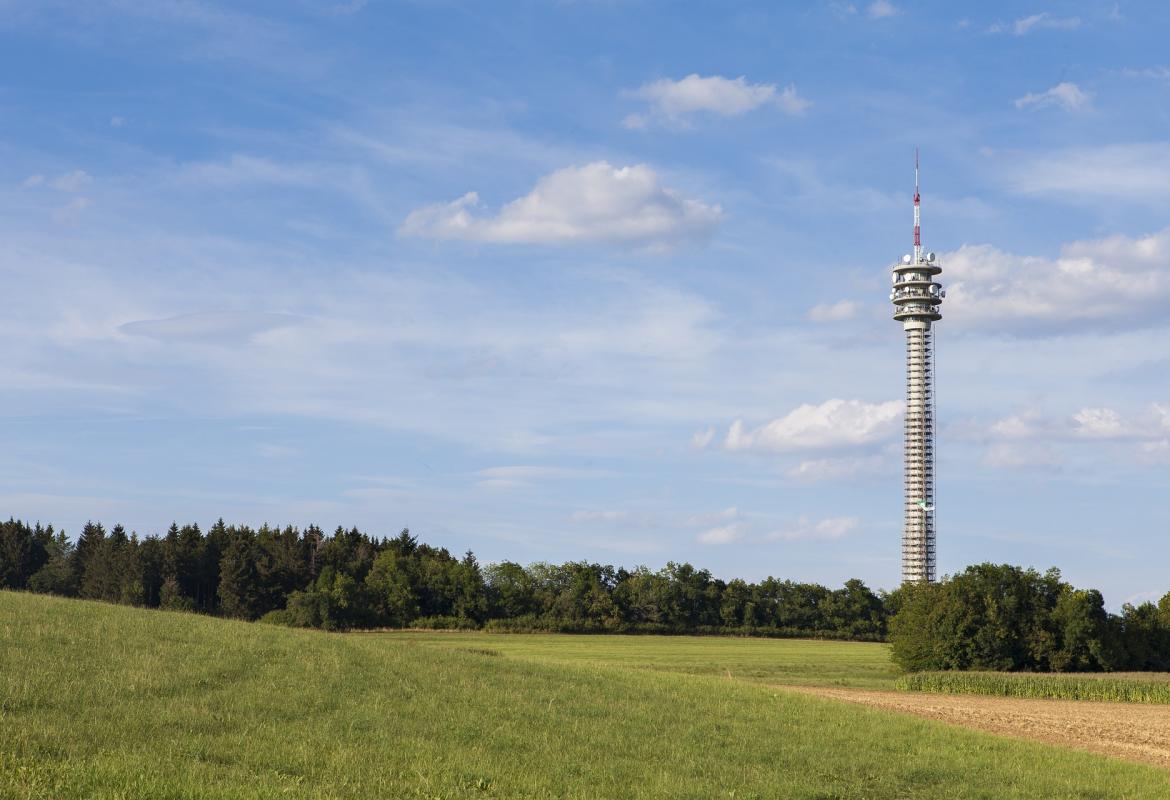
(930, 256)
(906, 259)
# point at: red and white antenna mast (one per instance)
(917, 214)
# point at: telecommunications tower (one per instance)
(916, 296)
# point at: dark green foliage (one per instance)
(238, 578)
(988, 617)
(56, 575)
(1000, 617)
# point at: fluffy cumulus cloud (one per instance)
(1064, 95)
(595, 203)
(1116, 283)
(726, 97)
(834, 423)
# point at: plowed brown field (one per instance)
(1125, 730)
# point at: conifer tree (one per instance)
(238, 578)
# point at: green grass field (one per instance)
(102, 701)
(796, 662)
(1124, 687)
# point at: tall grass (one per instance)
(103, 701)
(1121, 687)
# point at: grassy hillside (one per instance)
(106, 701)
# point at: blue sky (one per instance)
(591, 280)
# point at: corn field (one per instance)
(1119, 687)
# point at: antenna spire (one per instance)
(917, 214)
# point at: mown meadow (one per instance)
(98, 700)
(795, 662)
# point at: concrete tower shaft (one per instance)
(917, 296)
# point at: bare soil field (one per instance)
(1125, 730)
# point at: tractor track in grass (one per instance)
(1123, 730)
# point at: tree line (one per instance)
(352, 580)
(996, 617)
(1000, 617)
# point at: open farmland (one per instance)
(105, 701)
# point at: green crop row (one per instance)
(1130, 687)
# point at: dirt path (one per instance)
(1125, 730)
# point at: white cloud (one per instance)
(1044, 20)
(1114, 283)
(835, 312)
(595, 203)
(703, 438)
(599, 516)
(834, 423)
(1099, 423)
(276, 451)
(831, 469)
(725, 97)
(1066, 95)
(1027, 456)
(71, 210)
(829, 528)
(713, 517)
(1026, 425)
(880, 9)
(117, 122)
(1158, 73)
(527, 472)
(1028, 440)
(209, 326)
(1131, 173)
(725, 534)
(73, 181)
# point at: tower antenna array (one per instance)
(916, 297)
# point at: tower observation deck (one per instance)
(916, 296)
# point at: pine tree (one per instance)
(238, 578)
(57, 575)
(89, 544)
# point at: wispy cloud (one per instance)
(882, 9)
(834, 469)
(833, 312)
(1065, 95)
(675, 101)
(596, 203)
(805, 528)
(210, 325)
(1034, 22)
(1132, 172)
